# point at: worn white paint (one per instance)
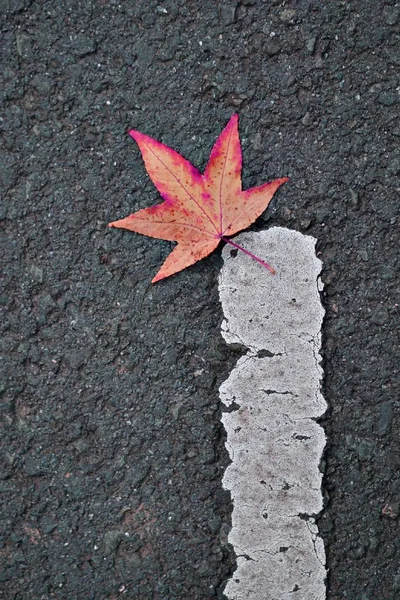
(273, 439)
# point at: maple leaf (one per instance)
(198, 210)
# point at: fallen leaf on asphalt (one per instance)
(198, 210)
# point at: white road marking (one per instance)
(273, 440)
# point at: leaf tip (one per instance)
(278, 182)
(157, 278)
(134, 134)
(234, 120)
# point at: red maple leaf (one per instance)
(198, 210)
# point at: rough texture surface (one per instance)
(274, 393)
(111, 416)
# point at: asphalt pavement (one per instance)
(113, 451)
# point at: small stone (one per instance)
(359, 552)
(287, 15)
(391, 14)
(396, 583)
(364, 450)
(138, 473)
(90, 183)
(46, 303)
(387, 98)
(36, 273)
(237, 100)
(112, 540)
(48, 525)
(388, 210)
(288, 81)
(207, 456)
(272, 46)
(310, 44)
(75, 359)
(43, 84)
(373, 544)
(390, 549)
(286, 213)
(35, 466)
(305, 223)
(385, 418)
(394, 165)
(354, 199)
(380, 315)
(256, 142)
(323, 188)
(24, 45)
(82, 45)
(11, 6)
(388, 272)
(7, 171)
(322, 214)
(73, 487)
(228, 13)
(214, 525)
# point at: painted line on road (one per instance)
(274, 393)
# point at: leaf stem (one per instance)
(262, 262)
